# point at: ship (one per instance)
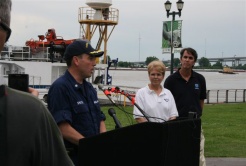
(227, 70)
(42, 70)
(43, 59)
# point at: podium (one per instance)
(172, 143)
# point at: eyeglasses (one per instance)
(5, 28)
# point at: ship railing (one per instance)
(98, 16)
(215, 96)
(25, 53)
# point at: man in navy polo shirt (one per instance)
(189, 90)
(73, 101)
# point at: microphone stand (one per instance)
(117, 90)
(140, 109)
(107, 94)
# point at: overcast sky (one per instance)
(215, 28)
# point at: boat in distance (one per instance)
(227, 70)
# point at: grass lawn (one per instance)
(224, 127)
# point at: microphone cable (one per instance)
(150, 117)
(119, 105)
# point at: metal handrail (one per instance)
(226, 96)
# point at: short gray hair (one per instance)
(5, 9)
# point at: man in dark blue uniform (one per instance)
(189, 90)
(73, 101)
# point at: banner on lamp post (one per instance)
(168, 26)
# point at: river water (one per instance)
(221, 88)
(214, 80)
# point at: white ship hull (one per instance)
(42, 72)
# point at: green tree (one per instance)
(176, 62)
(150, 59)
(218, 65)
(124, 64)
(204, 62)
(240, 66)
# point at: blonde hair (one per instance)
(158, 65)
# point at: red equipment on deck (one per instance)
(56, 44)
(51, 39)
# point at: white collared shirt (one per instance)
(159, 108)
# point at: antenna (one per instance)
(139, 49)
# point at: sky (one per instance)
(214, 28)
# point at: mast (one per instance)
(99, 18)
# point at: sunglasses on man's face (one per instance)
(5, 28)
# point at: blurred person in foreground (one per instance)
(29, 135)
(189, 90)
(156, 101)
(73, 101)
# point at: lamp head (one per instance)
(180, 5)
(168, 6)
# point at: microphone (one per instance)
(106, 92)
(114, 89)
(112, 113)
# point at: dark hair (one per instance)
(190, 51)
(69, 61)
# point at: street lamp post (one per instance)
(168, 5)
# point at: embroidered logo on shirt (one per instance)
(196, 86)
(95, 102)
(80, 102)
(167, 100)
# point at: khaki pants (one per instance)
(202, 157)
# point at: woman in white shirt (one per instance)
(156, 102)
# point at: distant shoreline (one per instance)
(145, 69)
